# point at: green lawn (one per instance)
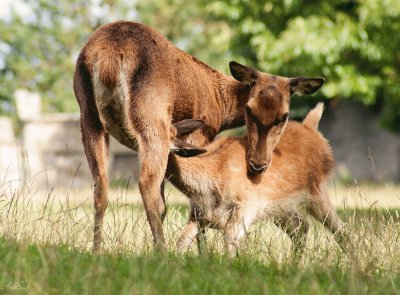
(45, 249)
(59, 270)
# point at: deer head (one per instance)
(267, 110)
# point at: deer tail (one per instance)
(314, 116)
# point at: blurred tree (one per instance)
(354, 44)
(38, 49)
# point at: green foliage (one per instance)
(39, 49)
(186, 24)
(353, 44)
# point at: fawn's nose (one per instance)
(258, 169)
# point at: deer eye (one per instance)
(249, 112)
(281, 120)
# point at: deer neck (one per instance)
(234, 96)
(187, 175)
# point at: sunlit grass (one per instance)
(55, 235)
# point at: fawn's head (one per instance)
(178, 132)
(267, 110)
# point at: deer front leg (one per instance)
(193, 230)
(296, 227)
(201, 240)
(232, 237)
(236, 228)
(187, 236)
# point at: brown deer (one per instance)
(133, 83)
(225, 196)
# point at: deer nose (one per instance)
(258, 169)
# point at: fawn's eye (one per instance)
(281, 120)
(249, 112)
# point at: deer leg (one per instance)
(193, 229)
(154, 150)
(201, 239)
(201, 230)
(236, 228)
(233, 234)
(187, 236)
(296, 228)
(95, 142)
(322, 210)
(162, 205)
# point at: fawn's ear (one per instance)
(185, 127)
(184, 149)
(243, 73)
(305, 85)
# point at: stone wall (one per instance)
(10, 161)
(360, 145)
(49, 153)
(56, 157)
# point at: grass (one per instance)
(45, 249)
(60, 270)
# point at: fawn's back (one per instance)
(301, 163)
(224, 196)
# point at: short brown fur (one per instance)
(133, 83)
(224, 196)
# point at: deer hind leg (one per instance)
(294, 224)
(95, 143)
(322, 210)
(154, 150)
(96, 150)
(162, 205)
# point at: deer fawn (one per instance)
(133, 83)
(225, 196)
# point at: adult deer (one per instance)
(133, 83)
(223, 195)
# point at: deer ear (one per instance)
(306, 85)
(184, 149)
(185, 127)
(243, 73)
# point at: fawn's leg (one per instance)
(237, 228)
(192, 230)
(296, 227)
(201, 239)
(189, 233)
(322, 209)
